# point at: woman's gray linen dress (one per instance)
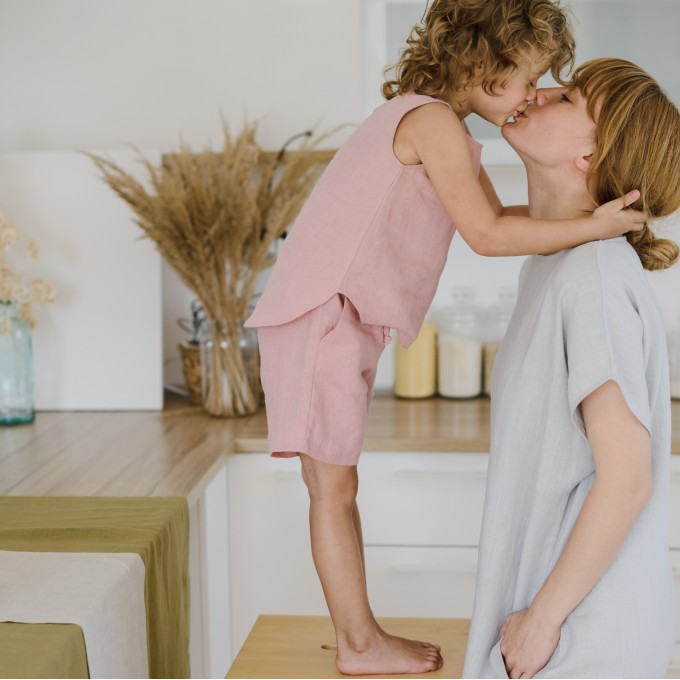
(584, 316)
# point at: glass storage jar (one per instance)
(415, 368)
(460, 347)
(496, 324)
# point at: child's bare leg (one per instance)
(363, 647)
(356, 521)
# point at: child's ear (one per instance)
(478, 70)
(583, 162)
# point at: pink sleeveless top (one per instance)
(372, 229)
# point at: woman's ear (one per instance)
(583, 162)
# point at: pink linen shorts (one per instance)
(317, 374)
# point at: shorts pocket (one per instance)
(333, 311)
(387, 335)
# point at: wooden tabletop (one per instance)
(177, 451)
(304, 647)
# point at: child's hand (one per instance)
(614, 219)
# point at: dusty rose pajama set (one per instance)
(364, 256)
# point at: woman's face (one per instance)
(555, 131)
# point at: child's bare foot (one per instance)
(386, 655)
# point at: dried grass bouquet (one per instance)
(13, 289)
(214, 217)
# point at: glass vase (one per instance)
(17, 405)
(230, 368)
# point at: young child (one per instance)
(365, 256)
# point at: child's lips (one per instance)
(516, 116)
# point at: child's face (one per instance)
(510, 99)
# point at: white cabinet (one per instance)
(271, 563)
(421, 515)
(433, 499)
(421, 581)
(210, 648)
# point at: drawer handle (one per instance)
(414, 473)
(420, 569)
(288, 474)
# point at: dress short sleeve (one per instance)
(603, 340)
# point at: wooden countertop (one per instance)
(177, 451)
(174, 452)
(435, 424)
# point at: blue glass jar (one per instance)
(17, 404)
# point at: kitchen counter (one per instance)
(177, 451)
(435, 424)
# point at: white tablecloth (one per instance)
(101, 592)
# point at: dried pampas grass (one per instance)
(214, 217)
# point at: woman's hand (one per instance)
(527, 644)
(616, 219)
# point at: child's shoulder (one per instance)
(408, 101)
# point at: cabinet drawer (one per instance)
(437, 582)
(426, 499)
(674, 503)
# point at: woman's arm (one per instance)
(622, 486)
(439, 142)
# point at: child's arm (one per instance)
(438, 140)
(495, 202)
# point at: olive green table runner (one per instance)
(62, 651)
(157, 529)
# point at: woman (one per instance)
(574, 576)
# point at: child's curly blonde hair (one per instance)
(457, 35)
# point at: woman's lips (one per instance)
(514, 118)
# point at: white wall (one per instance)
(95, 73)
(97, 347)
(107, 73)
(103, 74)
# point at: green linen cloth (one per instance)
(61, 651)
(155, 528)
